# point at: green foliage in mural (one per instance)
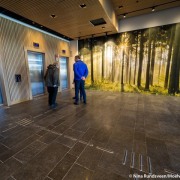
(146, 61)
(116, 87)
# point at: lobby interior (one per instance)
(129, 128)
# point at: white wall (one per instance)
(74, 52)
(108, 8)
(164, 17)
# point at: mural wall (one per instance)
(145, 60)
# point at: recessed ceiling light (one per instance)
(103, 27)
(153, 8)
(82, 5)
(120, 7)
(53, 16)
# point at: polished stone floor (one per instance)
(113, 136)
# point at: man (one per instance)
(52, 83)
(80, 74)
(81, 95)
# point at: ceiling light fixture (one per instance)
(120, 7)
(53, 16)
(92, 35)
(153, 9)
(147, 8)
(82, 5)
(103, 27)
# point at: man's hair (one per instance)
(77, 57)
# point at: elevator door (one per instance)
(1, 99)
(35, 61)
(63, 73)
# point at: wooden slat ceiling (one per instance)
(73, 21)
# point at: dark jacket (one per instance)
(52, 76)
(80, 70)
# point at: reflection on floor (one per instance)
(113, 136)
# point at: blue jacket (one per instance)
(80, 70)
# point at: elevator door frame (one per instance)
(28, 71)
(4, 85)
(1, 95)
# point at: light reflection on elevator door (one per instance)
(35, 61)
(63, 73)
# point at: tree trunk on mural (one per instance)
(174, 66)
(136, 60)
(148, 63)
(92, 67)
(169, 57)
(130, 67)
(140, 59)
(152, 62)
(103, 50)
(122, 73)
(127, 66)
(113, 68)
(130, 51)
(103, 55)
(160, 64)
(177, 73)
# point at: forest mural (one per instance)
(146, 60)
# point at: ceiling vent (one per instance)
(82, 5)
(98, 22)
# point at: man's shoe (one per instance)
(85, 102)
(74, 97)
(54, 106)
(76, 103)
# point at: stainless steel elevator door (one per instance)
(1, 99)
(35, 61)
(63, 73)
